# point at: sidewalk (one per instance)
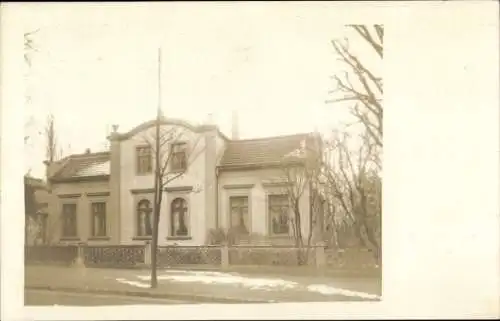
(214, 287)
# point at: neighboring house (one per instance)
(107, 197)
(36, 210)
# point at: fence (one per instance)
(272, 255)
(350, 258)
(57, 254)
(114, 255)
(189, 255)
(202, 256)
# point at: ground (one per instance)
(44, 297)
(200, 286)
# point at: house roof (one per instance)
(261, 151)
(239, 154)
(86, 165)
(36, 183)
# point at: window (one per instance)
(178, 217)
(144, 218)
(279, 214)
(69, 220)
(239, 213)
(144, 160)
(99, 219)
(179, 159)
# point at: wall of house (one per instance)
(255, 185)
(82, 194)
(220, 146)
(190, 186)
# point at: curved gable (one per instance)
(165, 121)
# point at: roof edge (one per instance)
(254, 166)
(65, 161)
(79, 179)
(272, 137)
(166, 121)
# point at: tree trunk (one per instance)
(376, 246)
(154, 247)
(26, 222)
(298, 234)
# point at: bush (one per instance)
(216, 236)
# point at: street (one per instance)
(43, 297)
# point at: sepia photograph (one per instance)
(233, 171)
(232, 160)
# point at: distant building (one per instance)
(37, 199)
(228, 183)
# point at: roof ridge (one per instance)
(270, 137)
(88, 154)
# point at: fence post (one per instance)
(320, 256)
(224, 256)
(147, 253)
(80, 256)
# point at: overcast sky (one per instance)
(95, 68)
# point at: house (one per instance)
(220, 183)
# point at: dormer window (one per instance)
(179, 157)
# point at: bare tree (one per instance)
(29, 48)
(174, 151)
(52, 150)
(354, 184)
(360, 85)
(301, 170)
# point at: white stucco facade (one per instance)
(135, 187)
(206, 186)
(258, 185)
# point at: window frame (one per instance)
(138, 157)
(93, 234)
(74, 205)
(269, 196)
(137, 218)
(172, 145)
(230, 212)
(186, 213)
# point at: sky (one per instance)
(97, 69)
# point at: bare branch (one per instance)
(363, 31)
(353, 185)
(369, 87)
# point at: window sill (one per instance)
(179, 238)
(279, 236)
(69, 238)
(142, 238)
(99, 238)
(177, 171)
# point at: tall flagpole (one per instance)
(157, 183)
(158, 120)
(158, 112)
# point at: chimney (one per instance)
(210, 119)
(235, 131)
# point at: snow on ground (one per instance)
(330, 290)
(225, 278)
(220, 278)
(133, 283)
